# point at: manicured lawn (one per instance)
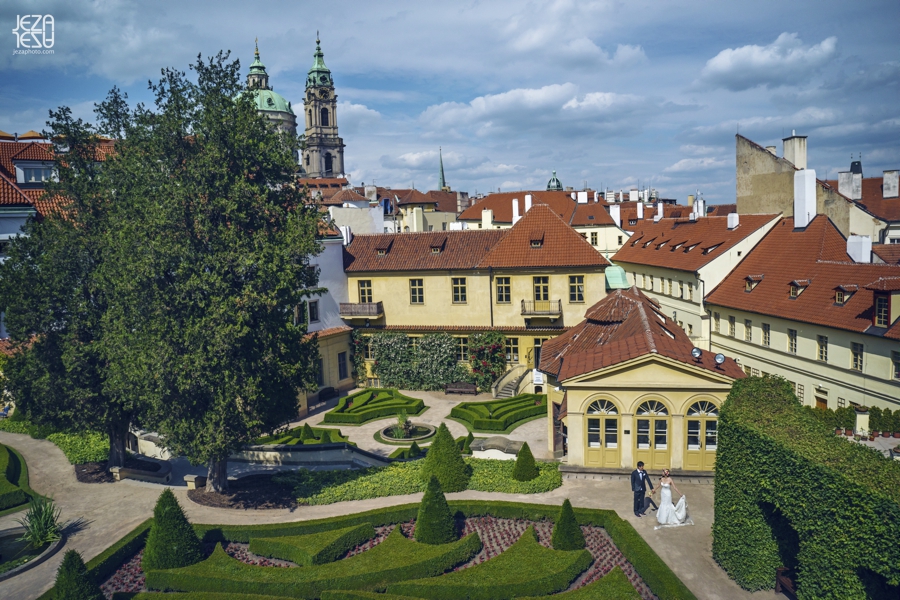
(500, 416)
(371, 404)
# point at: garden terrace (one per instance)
(292, 437)
(501, 415)
(371, 404)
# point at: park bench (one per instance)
(460, 387)
(327, 392)
(161, 476)
(195, 482)
(784, 582)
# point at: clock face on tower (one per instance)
(323, 94)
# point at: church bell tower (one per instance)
(323, 155)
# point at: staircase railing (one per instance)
(507, 377)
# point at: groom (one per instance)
(639, 482)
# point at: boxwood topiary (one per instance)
(307, 433)
(567, 534)
(525, 469)
(73, 581)
(435, 523)
(445, 462)
(172, 542)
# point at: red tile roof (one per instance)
(592, 213)
(817, 253)
(342, 196)
(628, 213)
(446, 201)
(501, 203)
(542, 239)
(413, 251)
(414, 197)
(10, 194)
(33, 151)
(331, 331)
(873, 200)
(889, 253)
(623, 326)
(686, 245)
(721, 210)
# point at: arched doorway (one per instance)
(702, 422)
(602, 434)
(329, 162)
(652, 435)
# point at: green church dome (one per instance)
(554, 185)
(267, 100)
(319, 75)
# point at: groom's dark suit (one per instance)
(639, 483)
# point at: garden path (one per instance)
(111, 510)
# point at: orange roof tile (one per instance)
(721, 210)
(10, 194)
(873, 200)
(889, 253)
(414, 197)
(686, 245)
(343, 196)
(501, 203)
(446, 201)
(34, 151)
(623, 326)
(592, 213)
(817, 253)
(413, 251)
(329, 332)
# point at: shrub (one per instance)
(430, 366)
(10, 493)
(414, 450)
(444, 462)
(500, 415)
(612, 586)
(313, 548)
(487, 357)
(525, 469)
(876, 420)
(172, 541)
(307, 433)
(73, 581)
(467, 445)
(435, 523)
(292, 437)
(887, 421)
(567, 534)
(41, 522)
(371, 404)
(79, 448)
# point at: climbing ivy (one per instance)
(487, 354)
(429, 365)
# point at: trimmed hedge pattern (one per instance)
(357, 595)
(612, 586)
(10, 493)
(371, 404)
(194, 596)
(500, 415)
(526, 568)
(314, 548)
(791, 493)
(294, 437)
(394, 559)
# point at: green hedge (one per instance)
(79, 448)
(526, 568)
(500, 415)
(394, 559)
(791, 493)
(292, 437)
(314, 548)
(10, 493)
(359, 595)
(612, 586)
(193, 596)
(371, 404)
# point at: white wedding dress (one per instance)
(671, 515)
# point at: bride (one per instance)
(671, 515)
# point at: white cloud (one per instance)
(695, 150)
(698, 164)
(785, 61)
(355, 117)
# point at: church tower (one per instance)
(268, 103)
(323, 155)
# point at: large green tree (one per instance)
(212, 259)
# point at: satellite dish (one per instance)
(720, 358)
(696, 353)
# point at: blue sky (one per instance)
(612, 93)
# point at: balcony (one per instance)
(361, 310)
(542, 308)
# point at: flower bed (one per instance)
(371, 404)
(500, 415)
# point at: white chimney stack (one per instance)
(804, 197)
(733, 220)
(699, 206)
(890, 185)
(640, 210)
(582, 197)
(856, 186)
(659, 210)
(633, 195)
(346, 234)
(515, 208)
(487, 218)
(859, 247)
(596, 196)
(845, 183)
(772, 150)
(527, 202)
(795, 149)
(615, 211)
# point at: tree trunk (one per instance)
(217, 477)
(117, 435)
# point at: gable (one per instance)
(650, 372)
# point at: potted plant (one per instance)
(887, 423)
(876, 423)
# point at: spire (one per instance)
(554, 184)
(442, 183)
(258, 78)
(319, 74)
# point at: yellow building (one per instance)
(624, 386)
(530, 282)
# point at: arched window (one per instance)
(307, 160)
(703, 408)
(310, 118)
(324, 117)
(329, 163)
(652, 408)
(602, 407)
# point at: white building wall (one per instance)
(331, 276)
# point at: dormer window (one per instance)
(632, 221)
(839, 297)
(751, 281)
(795, 291)
(381, 252)
(797, 287)
(37, 175)
(435, 249)
(590, 217)
(639, 238)
(711, 248)
(689, 248)
(882, 311)
(842, 293)
(537, 243)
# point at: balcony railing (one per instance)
(361, 310)
(542, 308)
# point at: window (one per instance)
(747, 371)
(748, 330)
(767, 334)
(839, 297)
(895, 359)
(324, 117)
(37, 175)
(365, 291)
(681, 289)
(690, 329)
(367, 348)
(792, 341)
(754, 372)
(512, 349)
(504, 294)
(342, 366)
(800, 392)
(541, 288)
(731, 326)
(300, 313)
(313, 311)
(620, 240)
(881, 312)
(842, 402)
(459, 290)
(795, 291)
(593, 238)
(822, 343)
(462, 349)
(856, 351)
(643, 281)
(670, 287)
(748, 286)
(416, 291)
(652, 287)
(716, 322)
(690, 292)
(576, 288)
(320, 374)
(412, 342)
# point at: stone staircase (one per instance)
(508, 390)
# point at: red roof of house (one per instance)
(330, 331)
(426, 251)
(818, 254)
(415, 197)
(33, 151)
(889, 253)
(873, 200)
(10, 194)
(6, 347)
(446, 201)
(592, 213)
(686, 245)
(720, 210)
(342, 196)
(501, 203)
(623, 326)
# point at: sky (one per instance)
(609, 94)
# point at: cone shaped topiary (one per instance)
(445, 462)
(73, 581)
(525, 469)
(307, 433)
(467, 446)
(567, 535)
(435, 523)
(172, 542)
(414, 450)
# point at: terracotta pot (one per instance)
(874, 433)
(897, 434)
(886, 434)
(838, 431)
(848, 432)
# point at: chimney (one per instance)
(856, 186)
(582, 197)
(795, 149)
(346, 234)
(659, 210)
(804, 197)
(693, 216)
(615, 211)
(772, 150)
(487, 218)
(890, 185)
(633, 195)
(845, 183)
(859, 247)
(596, 196)
(515, 207)
(527, 202)
(699, 207)
(690, 200)
(733, 220)
(573, 195)
(640, 210)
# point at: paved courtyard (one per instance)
(111, 510)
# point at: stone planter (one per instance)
(848, 432)
(887, 434)
(897, 434)
(50, 551)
